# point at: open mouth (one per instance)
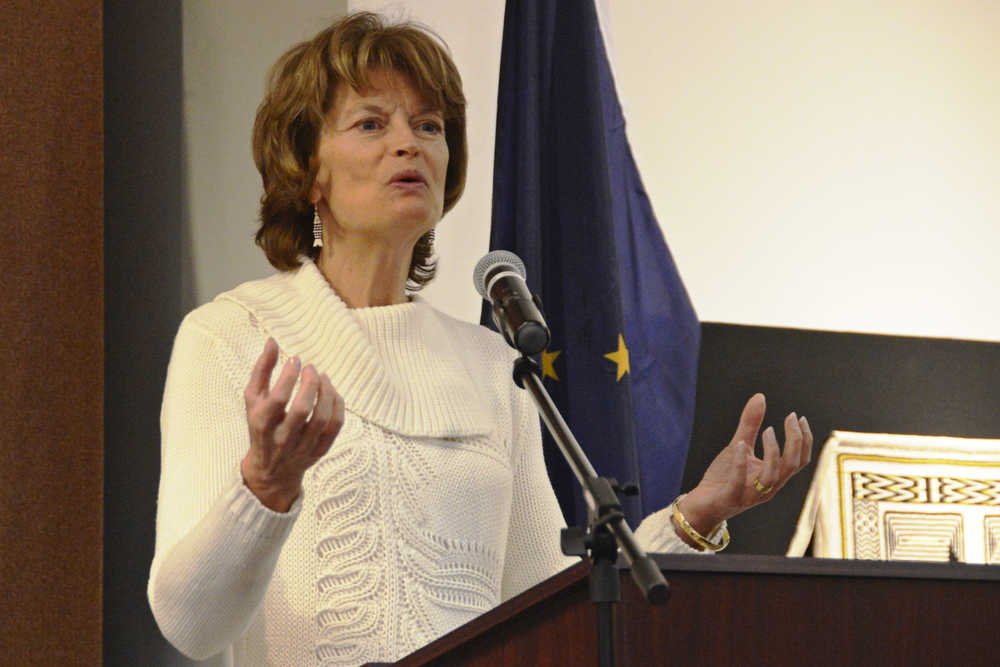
(409, 178)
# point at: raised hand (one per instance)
(286, 438)
(737, 479)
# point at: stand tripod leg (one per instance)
(605, 591)
(606, 634)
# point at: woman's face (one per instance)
(382, 162)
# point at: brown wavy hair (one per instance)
(300, 92)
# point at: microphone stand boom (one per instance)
(606, 527)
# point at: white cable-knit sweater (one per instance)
(432, 506)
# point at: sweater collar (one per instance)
(425, 389)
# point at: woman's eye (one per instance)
(431, 127)
(368, 125)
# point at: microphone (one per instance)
(499, 278)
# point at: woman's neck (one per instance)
(365, 275)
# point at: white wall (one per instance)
(228, 48)
(830, 164)
(827, 165)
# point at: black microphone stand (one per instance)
(606, 529)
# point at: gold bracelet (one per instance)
(695, 536)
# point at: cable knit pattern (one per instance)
(431, 507)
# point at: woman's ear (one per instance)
(320, 177)
(315, 191)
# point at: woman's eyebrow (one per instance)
(366, 108)
(370, 107)
(428, 108)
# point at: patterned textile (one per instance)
(903, 497)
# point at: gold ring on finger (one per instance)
(761, 489)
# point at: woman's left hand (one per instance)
(737, 479)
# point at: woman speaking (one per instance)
(388, 485)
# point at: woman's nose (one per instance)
(404, 140)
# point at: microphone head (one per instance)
(492, 260)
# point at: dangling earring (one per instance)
(317, 229)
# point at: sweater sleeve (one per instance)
(216, 544)
(656, 535)
(533, 548)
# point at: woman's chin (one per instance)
(420, 217)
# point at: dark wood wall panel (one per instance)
(51, 325)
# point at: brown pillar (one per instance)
(51, 332)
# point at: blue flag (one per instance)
(567, 198)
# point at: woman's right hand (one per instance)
(284, 439)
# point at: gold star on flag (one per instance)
(548, 368)
(620, 357)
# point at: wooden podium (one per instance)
(748, 610)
